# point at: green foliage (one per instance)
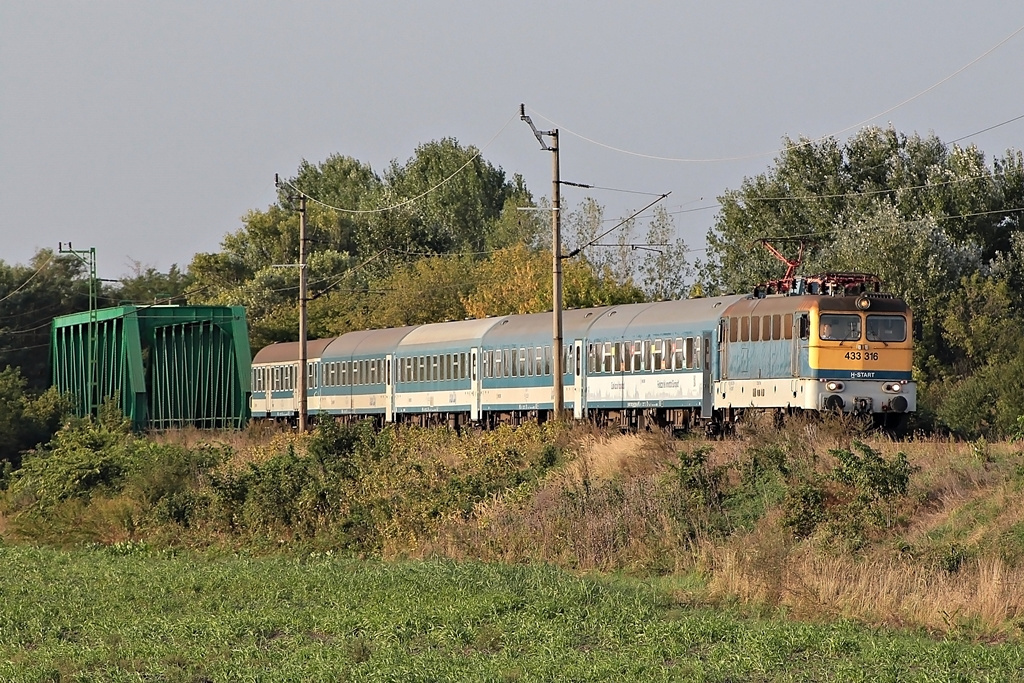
(26, 420)
(30, 297)
(862, 493)
(91, 461)
(147, 285)
(804, 509)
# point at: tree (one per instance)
(147, 285)
(519, 280)
(820, 190)
(30, 298)
(448, 199)
(665, 270)
(27, 421)
(424, 291)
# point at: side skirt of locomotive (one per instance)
(847, 396)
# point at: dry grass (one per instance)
(257, 443)
(985, 597)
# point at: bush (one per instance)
(862, 492)
(26, 421)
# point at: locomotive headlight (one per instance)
(863, 303)
(834, 386)
(892, 387)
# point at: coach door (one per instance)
(474, 385)
(801, 340)
(389, 401)
(579, 408)
(707, 398)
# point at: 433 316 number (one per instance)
(861, 355)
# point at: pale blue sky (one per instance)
(147, 129)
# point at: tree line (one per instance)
(444, 236)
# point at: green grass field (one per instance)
(125, 613)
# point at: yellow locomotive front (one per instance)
(860, 351)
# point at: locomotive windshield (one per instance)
(887, 328)
(834, 327)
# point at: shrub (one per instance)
(862, 492)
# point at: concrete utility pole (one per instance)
(556, 262)
(303, 371)
(302, 378)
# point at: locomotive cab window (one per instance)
(835, 327)
(887, 328)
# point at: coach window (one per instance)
(538, 361)
(678, 354)
(522, 361)
(529, 361)
(310, 376)
(755, 328)
(506, 362)
(638, 356)
(696, 353)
